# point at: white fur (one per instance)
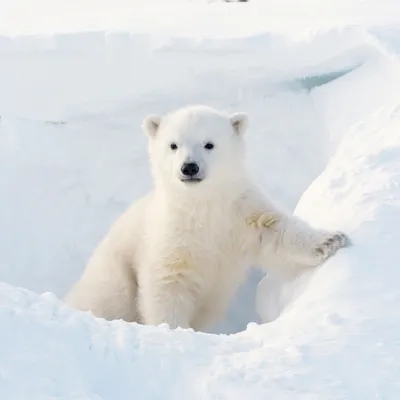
(178, 255)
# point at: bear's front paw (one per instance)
(330, 244)
(262, 220)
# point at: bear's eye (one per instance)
(209, 146)
(173, 146)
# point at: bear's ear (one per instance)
(150, 124)
(240, 122)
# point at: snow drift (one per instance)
(324, 140)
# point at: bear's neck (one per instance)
(203, 193)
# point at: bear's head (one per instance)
(196, 146)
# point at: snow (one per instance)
(76, 80)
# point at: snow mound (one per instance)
(325, 119)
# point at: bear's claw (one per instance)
(331, 244)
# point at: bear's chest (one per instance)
(209, 239)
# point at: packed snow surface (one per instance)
(322, 92)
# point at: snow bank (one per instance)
(63, 181)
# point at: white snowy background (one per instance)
(320, 81)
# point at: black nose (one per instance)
(190, 169)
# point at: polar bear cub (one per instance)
(178, 254)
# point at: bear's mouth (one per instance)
(191, 180)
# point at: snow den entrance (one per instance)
(73, 157)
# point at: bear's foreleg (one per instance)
(294, 239)
(166, 297)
